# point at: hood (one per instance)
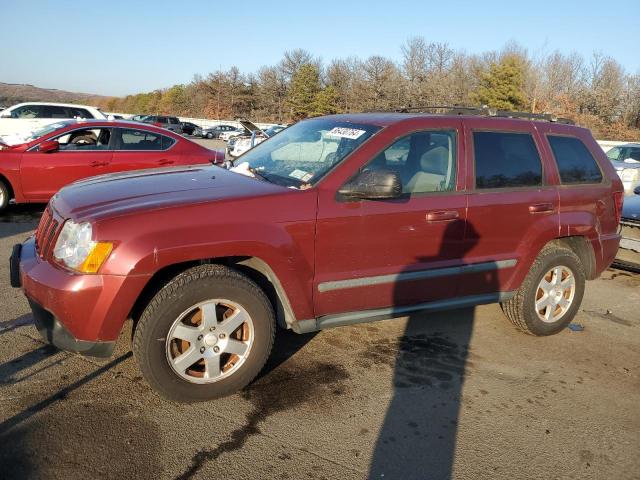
(631, 207)
(15, 138)
(251, 127)
(118, 194)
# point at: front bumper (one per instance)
(54, 332)
(79, 313)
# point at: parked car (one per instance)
(163, 121)
(64, 152)
(229, 134)
(138, 118)
(240, 144)
(337, 220)
(628, 256)
(192, 129)
(18, 121)
(218, 130)
(626, 160)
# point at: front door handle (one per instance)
(442, 215)
(541, 208)
(164, 161)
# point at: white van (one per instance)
(20, 120)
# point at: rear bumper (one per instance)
(608, 249)
(76, 312)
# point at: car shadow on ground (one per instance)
(418, 435)
(18, 219)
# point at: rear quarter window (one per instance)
(575, 162)
(506, 160)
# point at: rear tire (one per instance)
(550, 295)
(209, 136)
(4, 196)
(205, 291)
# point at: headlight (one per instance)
(77, 250)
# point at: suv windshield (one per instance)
(305, 152)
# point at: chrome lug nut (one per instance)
(222, 335)
(202, 349)
(199, 337)
(216, 349)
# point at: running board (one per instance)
(366, 316)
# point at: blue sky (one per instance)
(119, 47)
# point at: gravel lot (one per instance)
(459, 394)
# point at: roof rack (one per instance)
(484, 111)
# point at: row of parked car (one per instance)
(23, 118)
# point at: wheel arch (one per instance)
(7, 183)
(582, 247)
(253, 267)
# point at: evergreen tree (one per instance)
(502, 87)
(326, 101)
(305, 86)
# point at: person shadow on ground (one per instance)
(417, 439)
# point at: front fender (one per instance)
(286, 247)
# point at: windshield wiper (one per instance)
(261, 176)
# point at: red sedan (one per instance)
(64, 152)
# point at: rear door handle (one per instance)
(164, 161)
(541, 208)
(442, 215)
(97, 163)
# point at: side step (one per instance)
(366, 316)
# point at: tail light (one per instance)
(618, 199)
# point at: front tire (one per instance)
(209, 136)
(550, 295)
(205, 335)
(4, 196)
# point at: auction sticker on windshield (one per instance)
(301, 175)
(343, 132)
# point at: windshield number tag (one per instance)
(342, 132)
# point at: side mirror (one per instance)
(218, 157)
(49, 146)
(373, 184)
(637, 190)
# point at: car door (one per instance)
(137, 149)
(514, 204)
(82, 153)
(376, 254)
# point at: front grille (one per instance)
(47, 233)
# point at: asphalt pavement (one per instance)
(458, 394)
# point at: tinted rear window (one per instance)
(575, 162)
(505, 160)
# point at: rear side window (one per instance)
(78, 113)
(575, 162)
(506, 160)
(167, 142)
(140, 140)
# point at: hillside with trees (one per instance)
(596, 91)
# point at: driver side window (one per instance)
(425, 161)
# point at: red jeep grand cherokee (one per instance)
(336, 220)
